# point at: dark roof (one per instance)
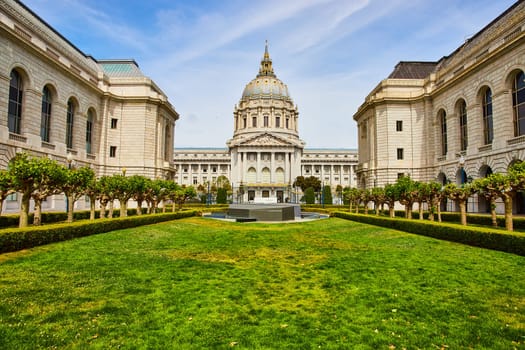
(412, 70)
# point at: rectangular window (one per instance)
(400, 153)
(112, 151)
(114, 123)
(194, 180)
(400, 175)
(399, 125)
(287, 123)
(254, 122)
(266, 121)
(277, 122)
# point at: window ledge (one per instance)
(516, 140)
(17, 137)
(48, 145)
(485, 148)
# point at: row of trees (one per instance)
(408, 192)
(38, 178)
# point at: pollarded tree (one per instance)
(352, 195)
(183, 193)
(140, 185)
(365, 196)
(435, 195)
(422, 195)
(460, 194)
(378, 196)
(123, 191)
(407, 194)
(33, 177)
(92, 192)
(75, 186)
(506, 187)
(484, 188)
(6, 187)
(391, 197)
(105, 195)
(48, 176)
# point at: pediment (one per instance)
(265, 140)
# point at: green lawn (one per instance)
(205, 284)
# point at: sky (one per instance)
(330, 53)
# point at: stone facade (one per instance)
(265, 154)
(119, 118)
(431, 120)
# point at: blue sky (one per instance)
(330, 53)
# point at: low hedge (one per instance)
(495, 239)
(49, 217)
(23, 238)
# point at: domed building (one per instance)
(265, 149)
(265, 154)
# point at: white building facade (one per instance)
(265, 154)
(454, 120)
(57, 101)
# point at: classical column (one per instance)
(272, 167)
(258, 168)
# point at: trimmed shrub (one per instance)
(490, 238)
(309, 195)
(29, 237)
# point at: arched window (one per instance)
(89, 132)
(488, 130)
(14, 113)
(251, 177)
(45, 123)
(265, 175)
(244, 122)
(70, 118)
(279, 175)
(463, 125)
(443, 123)
(518, 104)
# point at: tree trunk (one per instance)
(1, 206)
(391, 210)
(350, 209)
(110, 213)
(420, 208)
(357, 207)
(139, 207)
(92, 208)
(123, 208)
(37, 217)
(493, 212)
(103, 209)
(463, 211)
(163, 206)
(507, 199)
(24, 210)
(70, 206)
(408, 211)
(366, 208)
(173, 207)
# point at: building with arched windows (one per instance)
(57, 101)
(265, 154)
(457, 119)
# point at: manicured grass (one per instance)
(204, 284)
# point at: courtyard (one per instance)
(199, 283)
